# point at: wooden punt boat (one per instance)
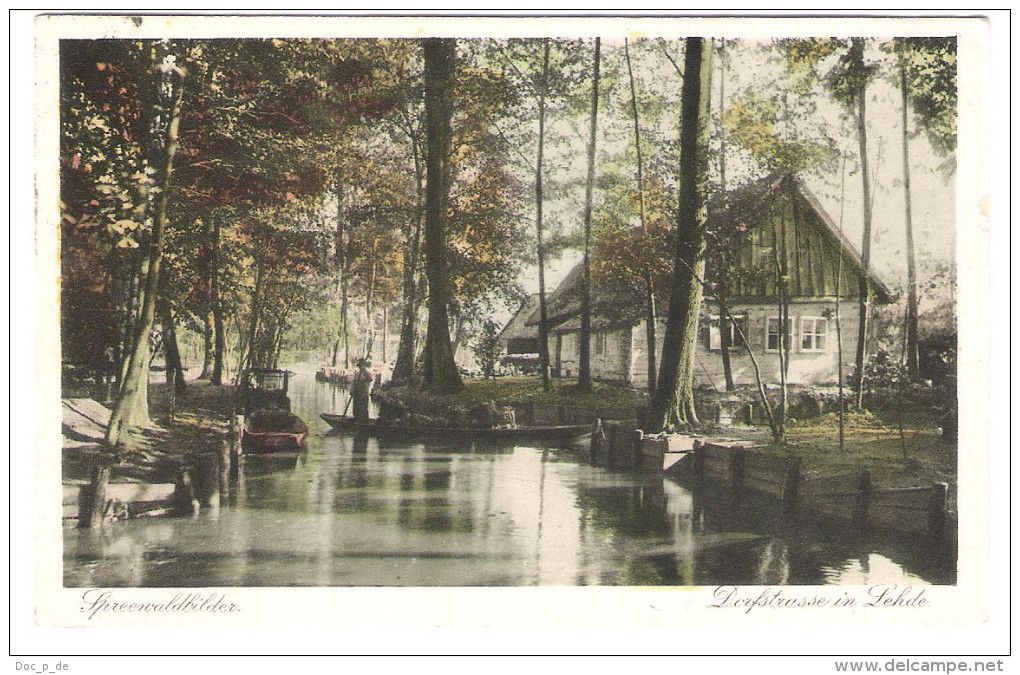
(550, 434)
(273, 431)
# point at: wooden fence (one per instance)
(742, 468)
(852, 497)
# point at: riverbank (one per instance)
(901, 444)
(564, 403)
(199, 422)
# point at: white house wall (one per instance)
(806, 367)
(613, 363)
(623, 359)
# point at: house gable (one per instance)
(774, 222)
(517, 337)
(780, 224)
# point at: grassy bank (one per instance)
(918, 457)
(524, 394)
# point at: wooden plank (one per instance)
(898, 519)
(716, 461)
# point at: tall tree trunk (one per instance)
(403, 368)
(649, 288)
(781, 264)
(343, 260)
(584, 358)
(724, 338)
(241, 347)
(723, 292)
(672, 407)
(864, 284)
(207, 345)
(132, 319)
(911, 329)
(543, 312)
(385, 329)
(345, 302)
(132, 406)
(256, 315)
(440, 65)
(370, 302)
(171, 349)
(207, 317)
(281, 331)
(839, 318)
(219, 335)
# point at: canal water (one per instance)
(357, 511)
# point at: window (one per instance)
(733, 324)
(772, 344)
(814, 334)
(600, 342)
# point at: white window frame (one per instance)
(715, 333)
(600, 343)
(789, 334)
(813, 322)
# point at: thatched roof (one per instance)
(612, 306)
(517, 327)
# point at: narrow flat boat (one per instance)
(272, 432)
(558, 434)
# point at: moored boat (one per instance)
(557, 434)
(273, 431)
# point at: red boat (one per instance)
(273, 431)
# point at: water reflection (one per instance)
(356, 510)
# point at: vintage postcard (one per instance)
(514, 322)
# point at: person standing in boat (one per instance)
(361, 390)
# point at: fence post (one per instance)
(699, 463)
(937, 506)
(862, 501)
(93, 506)
(791, 487)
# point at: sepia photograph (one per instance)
(648, 303)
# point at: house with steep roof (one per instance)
(517, 337)
(774, 224)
